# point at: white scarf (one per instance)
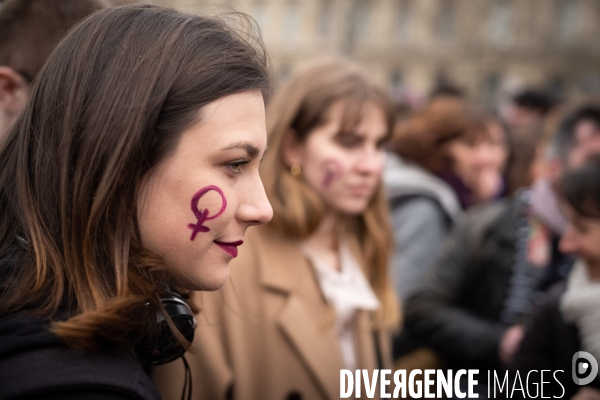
(347, 291)
(581, 305)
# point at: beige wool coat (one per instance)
(268, 333)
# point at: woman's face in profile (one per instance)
(581, 237)
(344, 168)
(197, 204)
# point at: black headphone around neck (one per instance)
(161, 346)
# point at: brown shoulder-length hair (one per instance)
(422, 138)
(108, 106)
(301, 105)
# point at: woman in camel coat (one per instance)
(309, 294)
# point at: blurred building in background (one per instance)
(486, 47)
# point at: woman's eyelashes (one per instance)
(236, 166)
(349, 140)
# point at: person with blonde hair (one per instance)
(309, 294)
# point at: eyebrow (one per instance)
(250, 149)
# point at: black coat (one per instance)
(549, 344)
(457, 309)
(35, 364)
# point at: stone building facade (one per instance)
(484, 46)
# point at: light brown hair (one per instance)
(31, 29)
(301, 105)
(108, 107)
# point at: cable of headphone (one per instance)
(187, 383)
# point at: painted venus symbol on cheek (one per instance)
(333, 171)
(202, 215)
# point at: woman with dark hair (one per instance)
(309, 294)
(134, 169)
(568, 321)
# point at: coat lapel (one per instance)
(366, 352)
(305, 318)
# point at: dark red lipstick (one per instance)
(230, 247)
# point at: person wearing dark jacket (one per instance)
(569, 319)
(36, 364)
(493, 269)
(132, 173)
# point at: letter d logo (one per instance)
(584, 367)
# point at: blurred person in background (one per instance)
(29, 31)
(497, 261)
(447, 139)
(309, 294)
(138, 110)
(568, 320)
(447, 157)
(530, 116)
(528, 107)
(524, 144)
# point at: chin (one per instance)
(214, 283)
(353, 208)
(206, 279)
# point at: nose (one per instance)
(371, 161)
(568, 241)
(254, 208)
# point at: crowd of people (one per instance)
(133, 160)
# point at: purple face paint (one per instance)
(333, 171)
(202, 215)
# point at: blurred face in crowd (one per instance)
(197, 204)
(581, 238)
(343, 167)
(517, 116)
(587, 142)
(480, 164)
(587, 135)
(13, 96)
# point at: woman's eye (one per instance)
(236, 165)
(349, 141)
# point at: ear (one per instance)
(292, 149)
(13, 91)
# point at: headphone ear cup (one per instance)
(161, 346)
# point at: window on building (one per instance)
(403, 20)
(589, 84)
(445, 20)
(396, 79)
(292, 20)
(557, 87)
(325, 19)
(361, 26)
(568, 19)
(500, 25)
(491, 87)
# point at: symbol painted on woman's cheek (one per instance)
(202, 215)
(333, 171)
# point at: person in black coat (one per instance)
(498, 262)
(132, 172)
(568, 321)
